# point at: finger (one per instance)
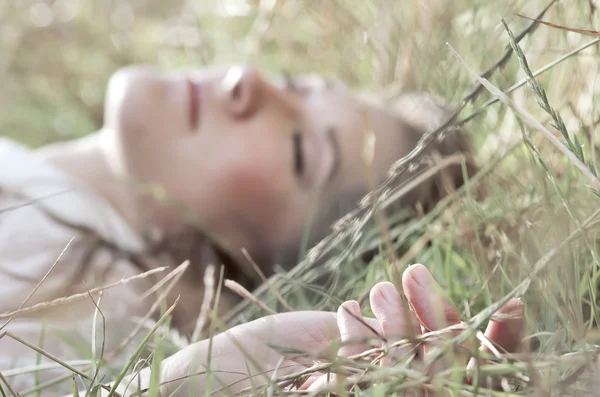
(502, 335)
(432, 308)
(319, 384)
(311, 332)
(354, 333)
(505, 331)
(397, 322)
(255, 348)
(312, 382)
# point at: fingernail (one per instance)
(351, 307)
(423, 278)
(389, 293)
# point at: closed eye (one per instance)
(298, 142)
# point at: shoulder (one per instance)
(28, 193)
(37, 205)
(44, 212)
(53, 195)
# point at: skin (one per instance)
(317, 333)
(254, 160)
(244, 162)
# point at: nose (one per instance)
(246, 91)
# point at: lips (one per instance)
(194, 93)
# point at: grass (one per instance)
(532, 117)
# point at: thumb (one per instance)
(354, 333)
(502, 334)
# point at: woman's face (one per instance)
(253, 158)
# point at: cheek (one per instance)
(258, 192)
(255, 184)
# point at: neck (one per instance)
(86, 160)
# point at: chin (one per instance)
(130, 95)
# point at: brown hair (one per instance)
(425, 113)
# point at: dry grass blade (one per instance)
(49, 356)
(524, 81)
(247, 295)
(531, 121)
(360, 216)
(77, 297)
(272, 289)
(176, 273)
(41, 367)
(209, 292)
(28, 201)
(174, 276)
(574, 30)
(270, 389)
(133, 358)
(96, 370)
(8, 386)
(38, 285)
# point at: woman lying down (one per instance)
(189, 166)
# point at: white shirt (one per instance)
(35, 200)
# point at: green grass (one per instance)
(534, 233)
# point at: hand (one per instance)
(432, 312)
(242, 356)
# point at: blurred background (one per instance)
(56, 57)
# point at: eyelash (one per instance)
(297, 139)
